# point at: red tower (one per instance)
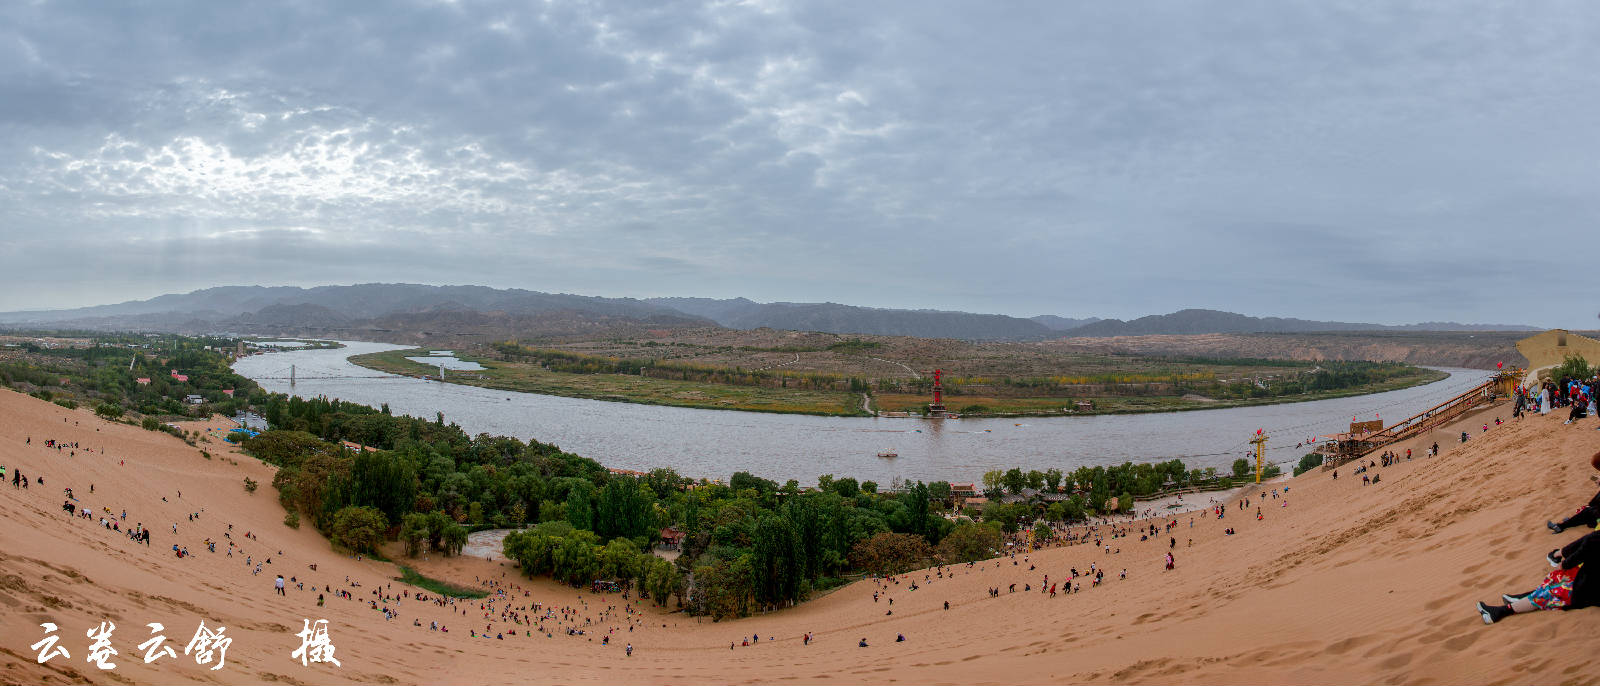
(936, 409)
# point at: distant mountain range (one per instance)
(740, 313)
(403, 310)
(1214, 321)
(1055, 323)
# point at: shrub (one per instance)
(67, 403)
(1308, 462)
(108, 410)
(250, 485)
(1572, 367)
(889, 553)
(1241, 468)
(292, 520)
(150, 424)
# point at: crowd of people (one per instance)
(1576, 395)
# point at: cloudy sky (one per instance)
(1384, 162)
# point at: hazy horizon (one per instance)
(645, 297)
(1389, 163)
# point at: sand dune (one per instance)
(1347, 583)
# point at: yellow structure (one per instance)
(1550, 348)
(1261, 446)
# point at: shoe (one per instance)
(1554, 558)
(1493, 613)
(1554, 527)
(1509, 598)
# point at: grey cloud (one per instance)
(1111, 159)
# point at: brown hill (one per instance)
(1477, 350)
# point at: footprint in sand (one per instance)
(1461, 642)
(1395, 661)
(1344, 645)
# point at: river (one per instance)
(715, 443)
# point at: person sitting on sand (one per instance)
(1568, 587)
(863, 642)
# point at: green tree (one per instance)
(108, 410)
(1005, 514)
(414, 532)
(624, 509)
(915, 500)
(1052, 479)
(1015, 480)
(1035, 479)
(358, 528)
(779, 568)
(574, 560)
(969, 543)
(580, 511)
(452, 539)
(619, 559)
(725, 588)
(825, 482)
(662, 580)
(993, 480)
(1043, 532)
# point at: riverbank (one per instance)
(622, 388)
(529, 378)
(782, 446)
(1051, 407)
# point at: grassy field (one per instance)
(623, 388)
(992, 406)
(531, 378)
(415, 578)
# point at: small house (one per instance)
(194, 399)
(672, 538)
(142, 381)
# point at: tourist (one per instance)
(1568, 587)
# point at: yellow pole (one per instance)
(1261, 444)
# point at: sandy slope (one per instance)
(1346, 584)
